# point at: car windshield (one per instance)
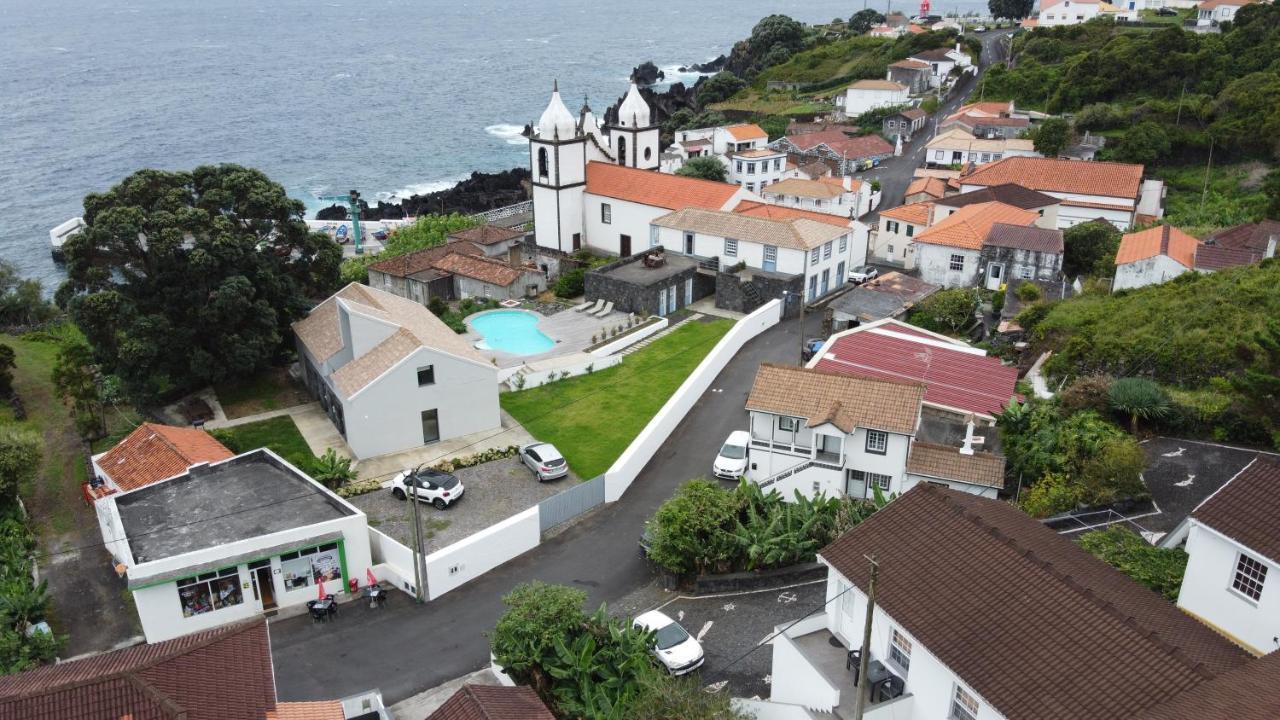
(670, 636)
(733, 452)
(555, 462)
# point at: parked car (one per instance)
(1166, 12)
(674, 647)
(731, 462)
(980, 28)
(441, 489)
(544, 460)
(811, 348)
(863, 273)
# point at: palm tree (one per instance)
(1139, 398)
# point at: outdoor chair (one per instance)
(583, 306)
(604, 310)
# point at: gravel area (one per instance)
(494, 491)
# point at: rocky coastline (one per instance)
(482, 191)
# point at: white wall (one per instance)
(392, 561)
(859, 101)
(626, 218)
(631, 339)
(1151, 271)
(909, 481)
(625, 469)
(557, 214)
(766, 710)
(1207, 593)
(479, 553)
(1069, 215)
(536, 378)
(904, 252)
(795, 681)
(385, 416)
(934, 262)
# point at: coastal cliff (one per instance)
(482, 191)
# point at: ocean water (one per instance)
(391, 97)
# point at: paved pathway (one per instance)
(316, 427)
(383, 467)
(405, 649)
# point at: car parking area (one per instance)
(494, 492)
(731, 627)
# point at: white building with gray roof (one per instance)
(391, 375)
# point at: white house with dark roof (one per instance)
(843, 196)
(1232, 581)
(817, 432)
(1087, 191)
(983, 613)
(391, 375)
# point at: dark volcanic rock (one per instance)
(713, 66)
(663, 104)
(480, 192)
(647, 74)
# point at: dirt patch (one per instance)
(1255, 173)
(271, 389)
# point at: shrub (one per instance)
(1158, 568)
(946, 311)
(20, 453)
(1087, 393)
(571, 284)
(1138, 398)
(997, 302)
(332, 471)
(1052, 494)
(1028, 292)
(437, 306)
(360, 487)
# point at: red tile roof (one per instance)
(955, 375)
(916, 213)
(1214, 257)
(420, 260)
(486, 234)
(222, 674)
(487, 702)
(746, 132)
(312, 710)
(967, 227)
(842, 144)
(482, 269)
(648, 187)
(779, 212)
(1250, 236)
(1159, 240)
(1246, 508)
(1064, 176)
(1034, 239)
(1038, 628)
(846, 401)
(931, 186)
(153, 452)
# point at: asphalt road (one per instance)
(895, 174)
(405, 649)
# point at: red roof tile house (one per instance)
(815, 432)
(1232, 582)
(1164, 252)
(959, 379)
(222, 674)
(152, 453)
(984, 613)
(842, 152)
(949, 252)
(484, 261)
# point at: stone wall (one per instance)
(731, 296)
(631, 297)
(549, 260)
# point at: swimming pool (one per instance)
(511, 331)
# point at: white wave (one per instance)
(59, 49)
(512, 134)
(425, 188)
(340, 76)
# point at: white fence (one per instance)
(479, 553)
(555, 369)
(623, 343)
(393, 562)
(625, 469)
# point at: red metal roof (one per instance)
(954, 377)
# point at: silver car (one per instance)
(544, 460)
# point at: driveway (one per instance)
(1181, 473)
(406, 649)
(494, 491)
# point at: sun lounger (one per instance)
(583, 306)
(605, 310)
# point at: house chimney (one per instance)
(969, 438)
(1271, 247)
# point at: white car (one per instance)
(862, 274)
(441, 489)
(544, 460)
(675, 648)
(731, 462)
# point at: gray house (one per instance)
(476, 267)
(912, 73)
(391, 375)
(1022, 253)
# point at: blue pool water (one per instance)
(512, 331)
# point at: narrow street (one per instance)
(404, 649)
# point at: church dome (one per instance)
(634, 111)
(556, 120)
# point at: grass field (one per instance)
(592, 418)
(1232, 196)
(280, 434)
(271, 389)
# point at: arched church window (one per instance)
(542, 162)
(648, 153)
(622, 151)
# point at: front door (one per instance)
(995, 275)
(688, 243)
(662, 303)
(624, 245)
(770, 258)
(264, 591)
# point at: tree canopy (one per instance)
(187, 278)
(862, 21)
(1052, 136)
(1090, 249)
(1010, 9)
(707, 168)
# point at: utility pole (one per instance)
(418, 571)
(787, 295)
(1178, 120)
(1208, 166)
(864, 660)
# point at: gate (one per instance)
(571, 503)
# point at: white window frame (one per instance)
(877, 442)
(788, 424)
(815, 255)
(826, 250)
(653, 236)
(964, 705)
(899, 649)
(957, 263)
(606, 213)
(844, 243)
(1025, 272)
(1249, 578)
(771, 253)
(730, 247)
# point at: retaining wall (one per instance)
(630, 339)
(625, 469)
(477, 554)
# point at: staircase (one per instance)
(647, 341)
(793, 470)
(752, 295)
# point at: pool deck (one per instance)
(570, 330)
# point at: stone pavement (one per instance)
(707, 306)
(384, 467)
(316, 427)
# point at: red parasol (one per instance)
(369, 574)
(322, 592)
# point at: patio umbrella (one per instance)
(369, 574)
(322, 592)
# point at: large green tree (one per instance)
(1144, 143)
(1090, 249)
(862, 21)
(1051, 137)
(706, 168)
(1010, 9)
(187, 278)
(720, 86)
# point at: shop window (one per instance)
(210, 591)
(304, 568)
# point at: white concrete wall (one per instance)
(626, 218)
(1151, 271)
(934, 262)
(366, 332)
(112, 529)
(1068, 13)
(810, 482)
(472, 557)
(766, 710)
(386, 416)
(795, 681)
(928, 679)
(1207, 593)
(909, 481)
(764, 174)
(392, 561)
(904, 252)
(859, 101)
(557, 214)
(790, 261)
(892, 463)
(625, 469)
(631, 339)
(1069, 215)
(537, 378)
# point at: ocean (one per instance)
(390, 97)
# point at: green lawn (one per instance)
(270, 389)
(278, 433)
(592, 418)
